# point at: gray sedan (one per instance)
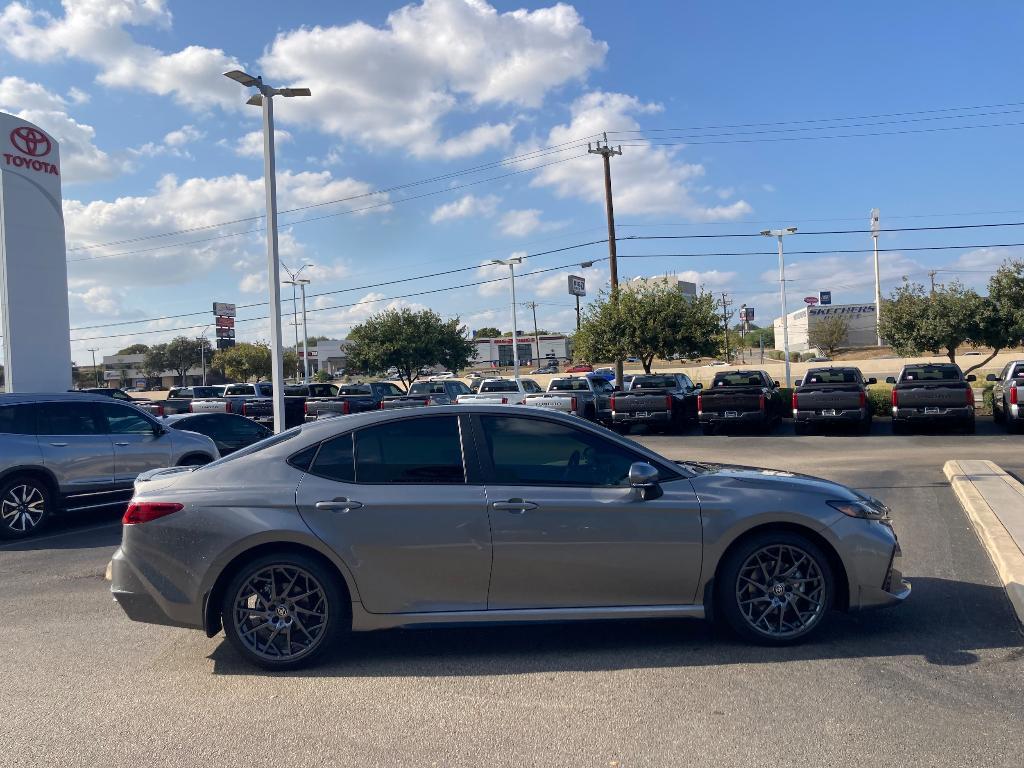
(488, 514)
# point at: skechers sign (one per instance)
(30, 144)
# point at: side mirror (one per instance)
(971, 377)
(991, 377)
(890, 379)
(776, 383)
(159, 431)
(698, 385)
(872, 380)
(798, 382)
(644, 477)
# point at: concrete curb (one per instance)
(994, 501)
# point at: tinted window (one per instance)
(17, 420)
(122, 420)
(527, 451)
(240, 389)
(69, 419)
(1018, 372)
(460, 388)
(335, 460)
(410, 451)
(932, 373)
(568, 385)
(322, 390)
(499, 386)
(531, 386)
(600, 385)
(831, 376)
(421, 388)
(239, 427)
(356, 390)
(117, 394)
(653, 382)
(737, 379)
(203, 392)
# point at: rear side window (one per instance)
(69, 419)
(17, 420)
(335, 460)
(421, 451)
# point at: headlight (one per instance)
(869, 510)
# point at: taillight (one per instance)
(305, 408)
(346, 407)
(895, 398)
(380, 406)
(189, 408)
(427, 401)
(1013, 395)
(160, 409)
(227, 407)
(668, 402)
(572, 404)
(862, 400)
(796, 402)
(504, 401)
(760, 403)
(700, 404)
(144, 511)
(970, 395)
(245, 409)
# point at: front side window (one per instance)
(525, 451)
(425, 450)
(530, 386)
(69, 419)
(122, 420)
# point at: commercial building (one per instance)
(329, 355)
(688, 289)
(497, 353)
(126, 371)
(860, 320)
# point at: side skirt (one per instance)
(363, 621)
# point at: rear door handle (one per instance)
(514, 505)
(59, 445)
(122, 444)
(339, 505)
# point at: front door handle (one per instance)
(122, 444)
(514, 505)
(59, 445)
(338, 505)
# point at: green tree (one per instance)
(245, 361)
(648, 321)
(752, 338)
(487, 332)
(155, 362)
(408, 341)
(290, 362)
(134, 349)
(322, 376)
(184, 353)
(829, 334)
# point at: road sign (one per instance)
(223, 310)
(825, 297)
(577, 285)
(811, 300)
(876, 223)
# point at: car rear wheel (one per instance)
(25, 507)
(776, 588)
(284, 611)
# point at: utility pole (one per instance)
(606, 152)
(305, 336)
(536, 334)
(932, 274)
(95, 371)
(875, 226)
(725, 322)
(781, 233)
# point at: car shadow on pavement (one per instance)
(945, 622)
(94, 530)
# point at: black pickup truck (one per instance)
(254, 401)
(421, 393)
(931, 394)
(740, 398)
(351, 398)
(830, 396)
(665, 402)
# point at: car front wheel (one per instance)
(776, 588)
(284, 611)
(25, 506)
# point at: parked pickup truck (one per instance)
(254, 401)
(179, 399)
(828, 396)
(585, 396)
(934, 393)
(740, 398)
(1006, 399)
(350, 398)
(501, 392)
(423, 393)
(665, 402)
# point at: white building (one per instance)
(329, 355)
(497, 353)
(688, 289)
(126, 371)
(860, 319)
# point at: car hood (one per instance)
(768, 480)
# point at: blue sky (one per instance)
(154, 140)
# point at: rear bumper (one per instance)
(741, 417)
(964, 413)
(142, 601)
(853, 414)
(654, 417)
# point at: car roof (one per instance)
(51, 397)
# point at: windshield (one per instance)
(932, 373)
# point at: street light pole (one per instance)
(511, 264)
(294, 281)
(265, 99)
(95, 372)
(202, 351)
(875, 225)
(305, 337)
(780, 233)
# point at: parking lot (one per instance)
(937, 681)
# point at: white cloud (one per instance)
(173, 143)
(94, 31)
(465, 206)
(498, 273)
(647, 179)
(709, 279)
(520, 223)
(251, 144)
(472, 142)
(184, 135)
(17, 93)
(393, 85)
(987, 258)
(254, 282)
(78, 96)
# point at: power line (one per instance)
(935, 228)
(823, 252)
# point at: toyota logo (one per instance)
(31, 141)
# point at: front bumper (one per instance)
(871, 555)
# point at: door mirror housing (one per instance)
(971, 377)
(991, 377)
(776, 383)
(890, 379)
(644, 478)
(872, 380)
(798, 382)
(698, 385)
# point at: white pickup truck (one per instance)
(501, 392)
(585, 396)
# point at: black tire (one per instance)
(998, 415)
(801, 428)
(864, 427)
(899, 428)
(809, 588)
(26, 506)
(317, 585)
(969, 427)
(707, 429)
(195, 460)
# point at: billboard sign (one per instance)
(746, 314)
(223, 310)
(225, 322)
(811, 300)
(225, 333)
(577, 285)
(825, 297)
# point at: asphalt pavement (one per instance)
(938, 681)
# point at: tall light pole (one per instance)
(202, 351)
(875, 226)
(265, 99)
(294, 281)
(781, 233)
(511, 264)
(303, 282)
(95, 372)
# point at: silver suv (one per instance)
(69, 452)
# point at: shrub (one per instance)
(880, 398)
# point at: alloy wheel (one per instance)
(280, 613)
(781, 591)
(23, 508)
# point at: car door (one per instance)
(998, 388)
(75, 446)
(567, 529)
(138, 444)
(395, 502)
